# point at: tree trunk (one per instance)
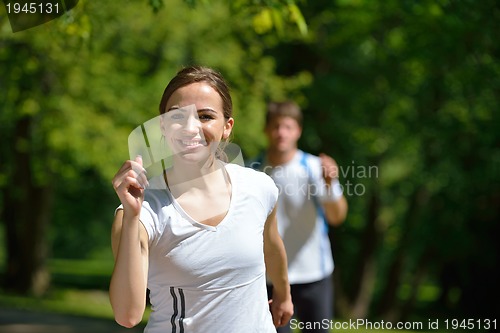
(387, 308)
(416, 281)
(26, 214)
(365, 272)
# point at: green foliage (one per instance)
(81, 222)
(266, 14)
(156, 5)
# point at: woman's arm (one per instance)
(128, 285)
(276, 266)
(129, 240)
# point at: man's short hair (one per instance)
(283, 109)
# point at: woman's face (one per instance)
(194, 123)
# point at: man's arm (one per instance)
(336, 208)
(336, 211)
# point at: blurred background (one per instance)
(403, 94)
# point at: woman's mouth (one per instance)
(190, 144)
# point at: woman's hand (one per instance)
(129, 184)
(281, 309)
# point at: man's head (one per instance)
(283, 125)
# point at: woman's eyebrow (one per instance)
(173, 107)
(207, 109)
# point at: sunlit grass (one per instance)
(91, 301)
(81, 267)
(87, 303)
(79, 287)
(67, 301)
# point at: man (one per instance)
(310, 196)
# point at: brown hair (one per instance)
(283, 109)
(194, 74)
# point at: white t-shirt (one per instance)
(302, 229)
(204, 278)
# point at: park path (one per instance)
(23, 321)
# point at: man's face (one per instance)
(283, 134)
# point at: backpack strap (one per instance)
(257, 164)
(319, 208)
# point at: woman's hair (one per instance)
(194, 74)
(283, 109)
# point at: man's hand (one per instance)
(329, 167)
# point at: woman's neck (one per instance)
(185, 176)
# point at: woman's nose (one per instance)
(192, 124)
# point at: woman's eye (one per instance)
(205, 117)
(177, 116)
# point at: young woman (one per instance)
(203, 235)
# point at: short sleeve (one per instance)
(149, 220)
(154, 199)
(270, 192)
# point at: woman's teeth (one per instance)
(191, 143)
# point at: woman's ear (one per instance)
(228, 127)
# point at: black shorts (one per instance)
(312, 304)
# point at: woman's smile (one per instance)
(191, 144)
